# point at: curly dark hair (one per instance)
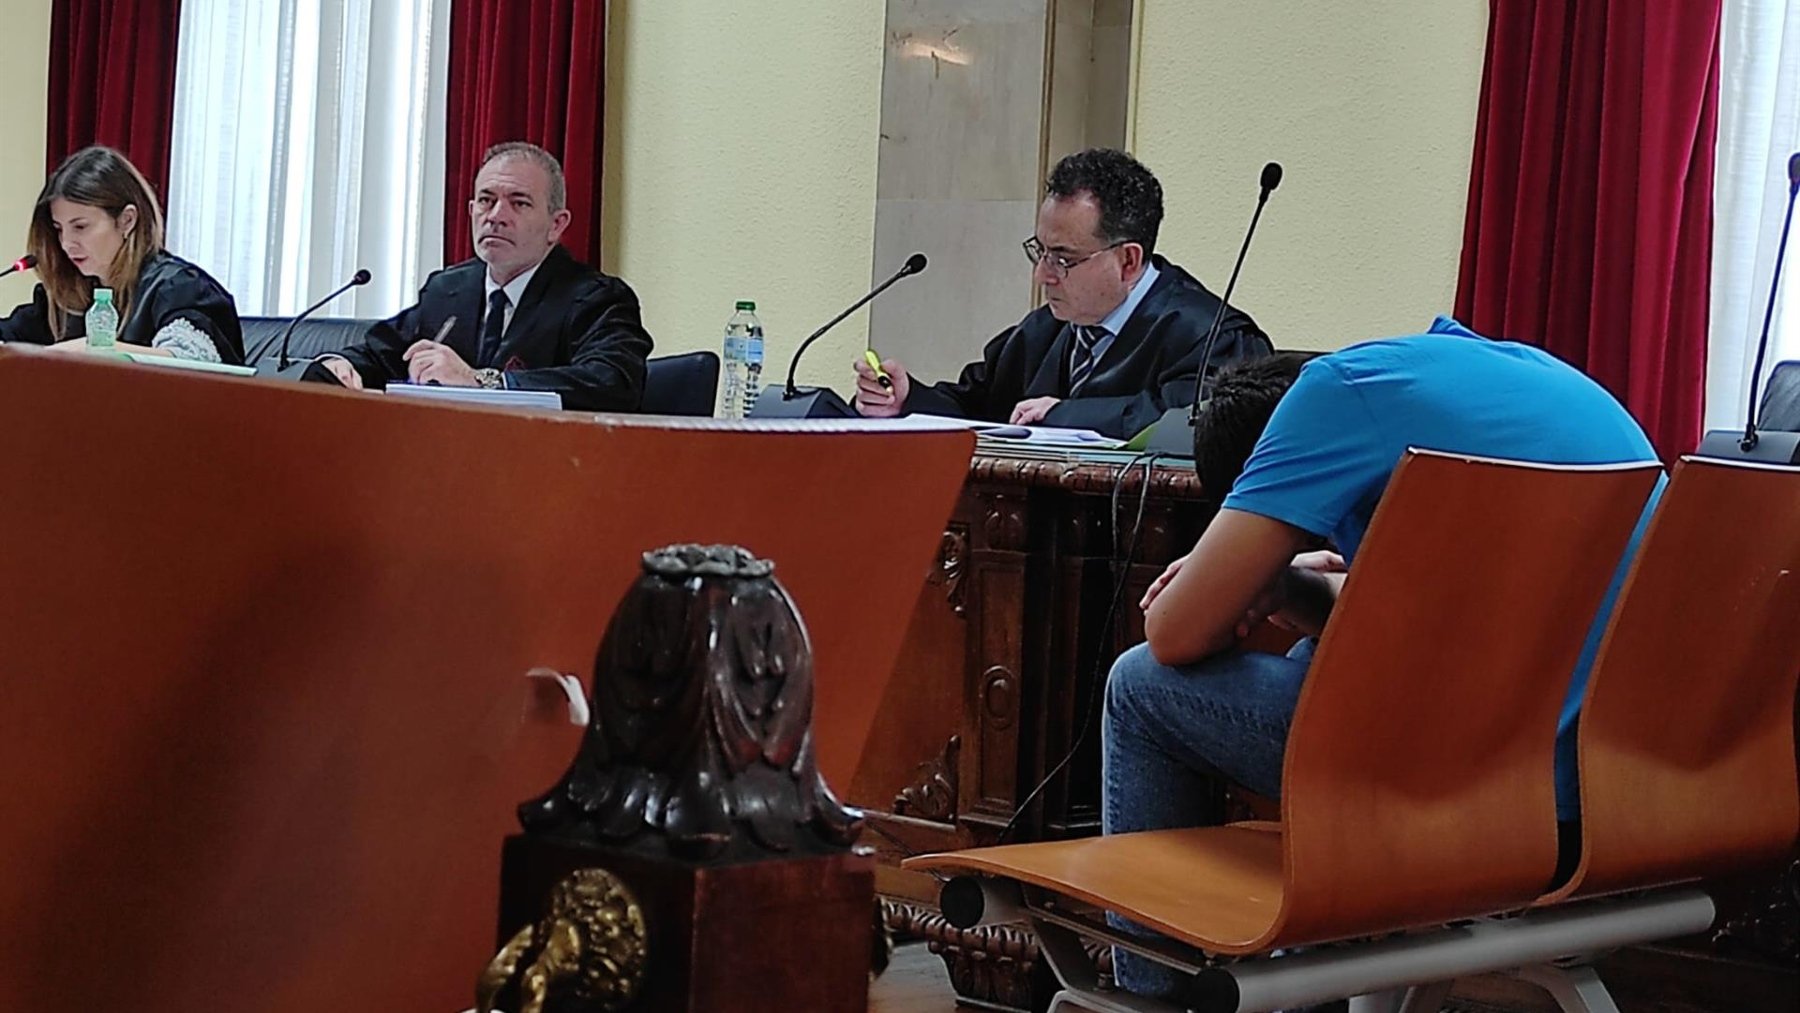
(1234, 417)
(1130, 198)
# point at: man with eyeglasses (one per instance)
(523, 314)
(1120, 336)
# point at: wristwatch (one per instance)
(489, 378)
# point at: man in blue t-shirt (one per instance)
(1304, 449)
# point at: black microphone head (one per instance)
(1794, 169)
(915, 263)
(1271, 176)
(361, 277)
(26, 263)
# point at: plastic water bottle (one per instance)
(743, 362)
(753, 358)
(102, 322)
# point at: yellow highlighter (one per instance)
(874, 362)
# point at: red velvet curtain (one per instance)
(112, 81)
(527, 70)
(1589, 228)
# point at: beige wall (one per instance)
(25, 53)
(1371, 110)
(741, 160)
(741, 153)
(740, 164)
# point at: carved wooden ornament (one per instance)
(700, 741)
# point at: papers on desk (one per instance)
(1036, 436)
(491, 397)
(1050, 443)
(898, 424)
(1041, 443)
(170, 362)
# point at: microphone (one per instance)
(25, 263)
(791, 402)
(1173, 434)
(1750, 445)
(361, 277)
(309, 370)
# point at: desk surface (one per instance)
(264, 656)
(1177, 481)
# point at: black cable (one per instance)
(1149, 461)
(907, 850)
(1102, 663)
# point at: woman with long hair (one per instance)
(97, 225)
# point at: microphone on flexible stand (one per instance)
(25, 263)
(1751, 445)
(791, 402)
(309, 370)
(1173, 434)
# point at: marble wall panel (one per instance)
(977, 97)
(1109, 82)
(962, 99)
(1071, 73)
(979, 281)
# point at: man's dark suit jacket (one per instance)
(1149, 368)
(575, 332)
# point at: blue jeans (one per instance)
(1168, 733)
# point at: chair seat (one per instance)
(1215, 888)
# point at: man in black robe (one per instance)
(523, 315)
(1121, 333)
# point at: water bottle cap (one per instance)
(745, 304)
(103, 295)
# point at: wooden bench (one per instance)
(1418, 820)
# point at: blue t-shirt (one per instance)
(1338, 434)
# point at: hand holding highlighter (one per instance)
(874, 362)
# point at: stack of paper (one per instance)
(170, 362)
(1001, 438)
(1050, 443)
(492, 397)
(1045, 436)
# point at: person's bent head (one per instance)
(1243, 400)
(1095, 232)
(95, 223)
(519, 210)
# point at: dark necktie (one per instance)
(491, 329)
(1081, 360)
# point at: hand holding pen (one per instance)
(433, 357)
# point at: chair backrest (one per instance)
(684, 384)
(314, 337)
(1780, 409)
(1418, 784)
(1687, 732)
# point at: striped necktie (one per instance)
(1081, 359)
(493, 327)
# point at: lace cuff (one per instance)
(185, 341)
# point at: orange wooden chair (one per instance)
(1687, 735)
(1417, 785)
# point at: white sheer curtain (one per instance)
(1759, 127)
(309, 142)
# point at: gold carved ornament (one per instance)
(591, 942)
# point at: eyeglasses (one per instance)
(1059, 265)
